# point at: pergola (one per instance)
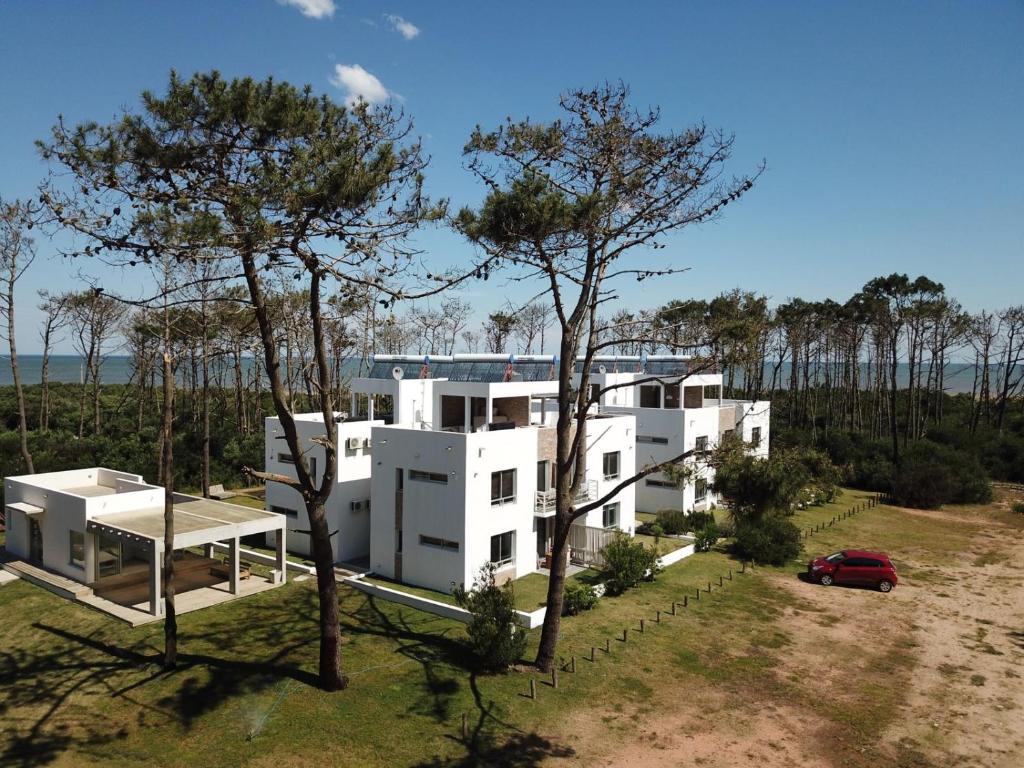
(197, 522)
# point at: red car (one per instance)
(854, 566)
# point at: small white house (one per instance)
(105, 529)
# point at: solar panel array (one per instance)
(522, 370)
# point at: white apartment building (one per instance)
(446, 463)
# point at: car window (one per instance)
(855, 562)
(835, 558)
(876, 563)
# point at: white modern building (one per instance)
(104, 530)
(446, 463)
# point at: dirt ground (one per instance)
(942, 657)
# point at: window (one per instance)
(672, 395)
(428, 477)
(712, 391)
(595, 393)
(701, 444)
(610, 515)
(755, 436)
(652, 439)
(77, 549)
(650, 396)
(286, 458)
(286, 511)
(727, 434)
(653, 482)
(700, 489)
(503, 486)
(611, 465)
(543, 475)
(503, 548)
(437, 541)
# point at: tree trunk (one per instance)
(16, 375)
(167, 465)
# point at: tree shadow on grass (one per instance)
(48, 691)
(445, 662)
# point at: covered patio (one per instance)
(128, 550)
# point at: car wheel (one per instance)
(826, 580)
(885, 585)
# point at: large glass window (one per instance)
(109, 556)
(77, 548)
(610, 515)
(701, 444)
(543, 475)
(503, 486)
(611, 465)
(652, 439)
(503, 548)
(755, 436)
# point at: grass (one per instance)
(76, 686)
(530, 590)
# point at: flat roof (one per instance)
(196, 521)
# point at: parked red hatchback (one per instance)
(856, 567)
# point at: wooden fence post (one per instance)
(607, 645)
(686, 599)
(572, 665)
(554, 677)
(533, 688)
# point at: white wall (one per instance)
(431, 509)
(352, 483)
(606, 435)
(64, 513)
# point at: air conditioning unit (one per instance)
(360, 505)
(355, 443)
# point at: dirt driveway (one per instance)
(929, 676)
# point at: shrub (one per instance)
(1018, 507)
(627, 563)
(930, 475)
(698, 521)
(495, 637)
(578, 597)
(656, 530)
(706, 538)
(770, 540)
(672, 521)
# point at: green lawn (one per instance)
(530, 590)
(78, 687)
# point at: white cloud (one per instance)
(359, 84)
(406, 29)
(315, 9)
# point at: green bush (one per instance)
(655, 529)
(1018, 507)
(672, 521)
(706, 538)
(697, 521)
(578, 597)
(930, 475)
(627, 563)
(495, 637)
(770, 540)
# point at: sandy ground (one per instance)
(954, 642)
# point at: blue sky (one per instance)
(892, 132)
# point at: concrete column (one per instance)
(282, 567)
(369, 407)
(156, 591)
(468, 417)
(208, 550)
(90, 557)
(488, 413)
(352, 407)
(233, 558)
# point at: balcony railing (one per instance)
(545, 504)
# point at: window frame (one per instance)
(510, 558)
(698, 484)
(71, 548)
(618, 465)
(423, 476)
(439, 542)
(505, 496)
(617, 507)
(652, 439)
(755, 436)
(700, 444)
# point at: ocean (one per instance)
(117, 369)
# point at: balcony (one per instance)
(545, 503)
